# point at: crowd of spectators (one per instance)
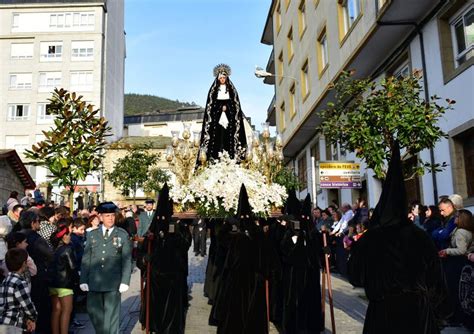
(41, 248)
(450, 226)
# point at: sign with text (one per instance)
(339, 175)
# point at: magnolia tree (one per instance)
(367, 118)
(74, 147)
(131, 172)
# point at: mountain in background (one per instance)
(142, 103)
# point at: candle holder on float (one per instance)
(181, 154)
(265, 155)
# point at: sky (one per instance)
(173, 46)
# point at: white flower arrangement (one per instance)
(214, 192)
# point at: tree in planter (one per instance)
(157, 178)
(74, 147)
(132, 171)
(367, 118)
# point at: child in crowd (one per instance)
(17, 311)
(77, 242)
(18, 240)
(349, 238)
(93, 223)
(63, 277)
(360, 229)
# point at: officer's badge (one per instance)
(117, 242)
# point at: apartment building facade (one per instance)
(78, 45)
(314, 40)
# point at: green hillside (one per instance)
(141, 103)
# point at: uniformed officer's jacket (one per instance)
(145, 221)
(106, 262)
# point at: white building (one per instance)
(314, 40)
(78, 45)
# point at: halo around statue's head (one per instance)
(222, 69)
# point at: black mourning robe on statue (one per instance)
(214, 137)
(398, 266)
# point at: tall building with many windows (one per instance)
(314, 40)
(77, 44)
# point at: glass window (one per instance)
(22, 51)
(43, 113)
(302, 17)
(82, 50)
(15, 20)
(21, 80)
(292, 101)
(282, 117)
(278, 17)
(280, 67)
(49, 80)
(302, 172)
(18, 112)
(351, 10)
(323, 57)
(81, 81)
(51, 51)
(463, 35)
(290, 44)
(304, 79)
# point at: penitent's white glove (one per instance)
(123, 288)
(84, 287)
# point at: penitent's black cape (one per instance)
(241, 306)
(301, 274)
(214, 137)
(168, 295)
(398, 265)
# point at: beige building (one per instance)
(314, 40)
(78, 45)
(118, 150)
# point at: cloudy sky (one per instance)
(173, 45)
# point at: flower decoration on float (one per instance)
(214, 191)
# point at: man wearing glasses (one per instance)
(106, 270)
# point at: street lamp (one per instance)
(261, 73)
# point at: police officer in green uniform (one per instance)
(145, 218)
(106, 270)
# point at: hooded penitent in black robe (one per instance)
(301, 274)
(168, 290)
(241, 305)
(398, 265)
(214, 137)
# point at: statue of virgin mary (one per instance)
(223, 123)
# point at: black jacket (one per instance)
(39, 251)
(63, 270)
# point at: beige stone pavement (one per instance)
(349, 306)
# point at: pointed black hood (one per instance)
(392, 206)
(163, 212)
(293, 205)
(244, 210)
(306, 213)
